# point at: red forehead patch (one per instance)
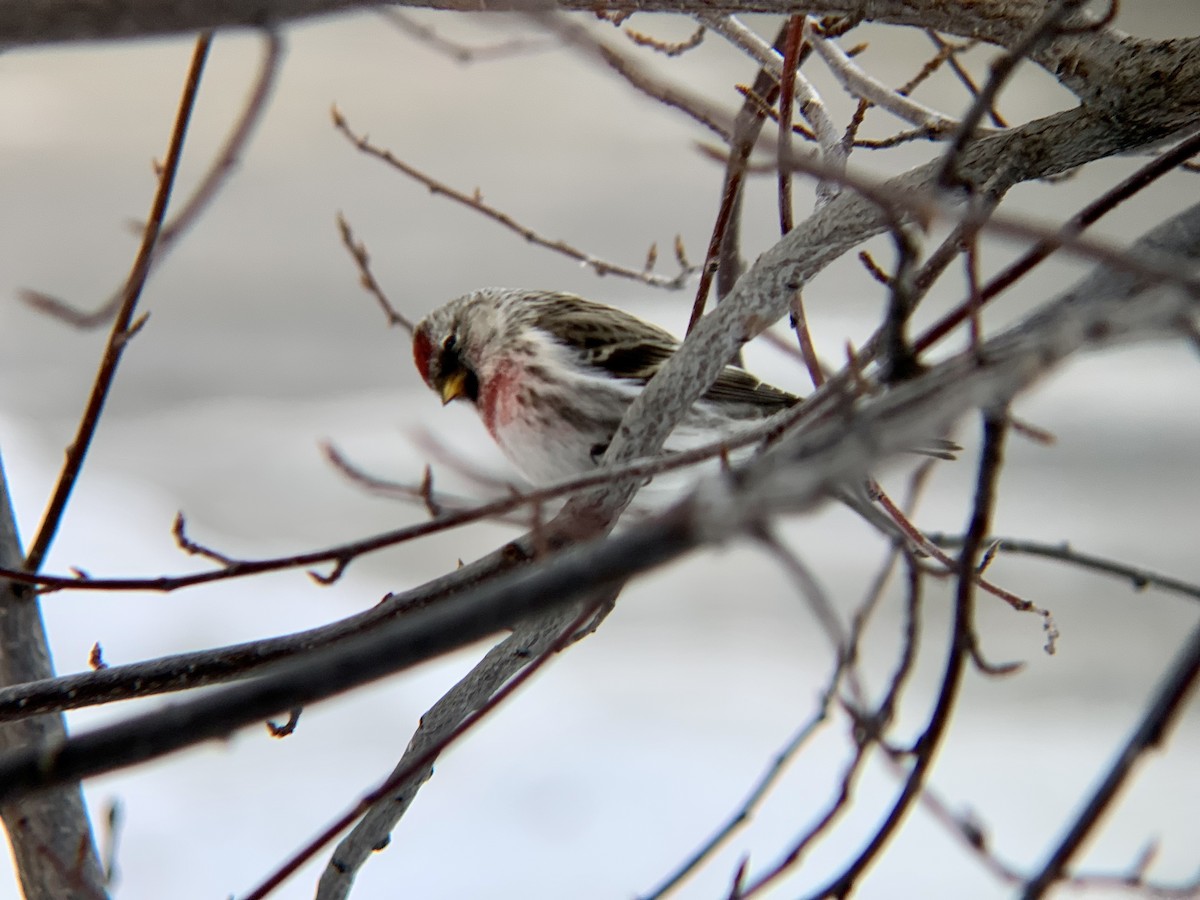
(422, 351)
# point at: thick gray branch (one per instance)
(50, 835)
(52, 21)
(1041, 148)
(1107, 307)
(529, 640)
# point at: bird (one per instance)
(551, 374)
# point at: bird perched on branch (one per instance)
(551, 374)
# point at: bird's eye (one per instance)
(448, 344)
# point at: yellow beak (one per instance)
(454, 386)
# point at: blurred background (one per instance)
(625, 753)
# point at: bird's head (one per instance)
(463, 344)
(442, 355)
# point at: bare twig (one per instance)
(723, 250)
(1139, 578)
(667, 48)
(457, 51)
(962, 640)
(1160, 712)
(122, 324)
(672, 95)
(187, 545)
(476, 202)
(358, 250)
(201, 198)
(1040, 31)
(930, 122)
(950, 52)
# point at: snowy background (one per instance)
(626, 752)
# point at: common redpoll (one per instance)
(551, 374)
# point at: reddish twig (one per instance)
(787, 103)
(746, 129)
(1045, 247)
(964, 613)
(460, 52)
(475, 201)
(201, 198)
(667, 48)
(123, 324)
(362, 259)
(186, 544)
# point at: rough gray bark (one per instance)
(50, 835)
(1108, 307)
(54, 21)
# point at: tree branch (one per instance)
(1168, 699)
(794, 475)
(50, 836)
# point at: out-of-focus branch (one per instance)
(794, 475)
(201, 198)
(457, 51)
(1139, 578)
(1164, 705)
(43, 21)
(504, 669)
(50, 836)
(124, 327)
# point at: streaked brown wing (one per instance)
(628, 347)
(590, 327)
(739, 386)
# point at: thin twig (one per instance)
(722, 251)
(1161, 710)
(405, 772)
(1041, 30)
(964, 614)
(201, 198)
(1138, 577)
(811, 106)
(667, 48)
(476, 202)
(121, 329)
(459, 52)
(932, 123)
(787, 94)
(362, 259)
